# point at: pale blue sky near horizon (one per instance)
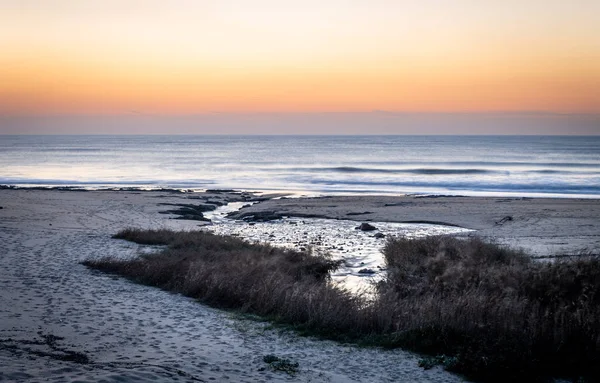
(375, 122)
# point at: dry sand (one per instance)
(131, 332)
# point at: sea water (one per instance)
(564, 166)
(313, 165)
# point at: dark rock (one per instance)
(399, 204)
(185, 207)
(190, 212)
(205, 207)
(363, 213)
(268, 215)
(379, 235)
(366, 227)
(218, 191)
(260, 216)
(194, 217)
(1, 208)
(215, 202)
(504, 220)
(366, 271)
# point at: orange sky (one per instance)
(189, 57)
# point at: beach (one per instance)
(60, 321)
(541, 226)
(348, 191)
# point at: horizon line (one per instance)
(135, 113)
(307, 134)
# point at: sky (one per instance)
(358, 63)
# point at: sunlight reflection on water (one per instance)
(360, 250)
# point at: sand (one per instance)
(541, 226)
(130, 332)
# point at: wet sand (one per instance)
(541, 226)
(55, 313)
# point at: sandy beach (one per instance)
(306, 191)
(59, 321)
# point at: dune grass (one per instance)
(496, 311)
(488, 312)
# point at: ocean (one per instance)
(557, 166)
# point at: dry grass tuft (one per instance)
(498, 311)
(484, 310)
(285, 285)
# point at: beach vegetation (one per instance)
(480, 309)
(281, 364)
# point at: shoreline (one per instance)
(301, 193)
(544, 227)
(129, 330)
